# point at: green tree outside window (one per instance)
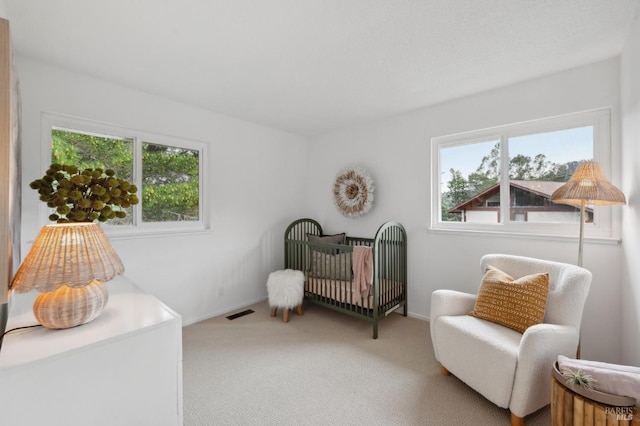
(170, 175)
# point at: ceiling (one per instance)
(311, 66)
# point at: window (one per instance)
(501, 179)
(167, 171)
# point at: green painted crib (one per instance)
(329, 280)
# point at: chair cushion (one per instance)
(482, 354)
(514, 303)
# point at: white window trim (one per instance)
(603, 228)
(50, 120)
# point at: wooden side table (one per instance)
(576, 406)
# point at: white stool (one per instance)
(286, 290)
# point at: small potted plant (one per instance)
(578, 378)
(84, 195)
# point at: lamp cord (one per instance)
(20, 328)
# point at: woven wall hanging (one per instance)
(353, 192)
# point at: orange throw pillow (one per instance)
(514, 303)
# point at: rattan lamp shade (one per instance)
(588, 184)
(67, 262)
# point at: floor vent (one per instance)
(240, 314)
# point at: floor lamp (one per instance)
(588, 185)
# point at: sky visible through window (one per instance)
(560, 147)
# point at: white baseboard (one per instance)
(262, 299)
(225, 311)
(418, 316)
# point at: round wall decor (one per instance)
(353, 192)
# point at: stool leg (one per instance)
(299, 310)
(274, 311)
(285, 315)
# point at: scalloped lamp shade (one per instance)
(67, 263)
(588, 185)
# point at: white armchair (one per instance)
(510, 369)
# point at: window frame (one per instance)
(599, 119)
(50, 121)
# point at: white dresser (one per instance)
(124, 368)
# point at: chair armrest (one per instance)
(448, 303)
(552, 336)
(539, 349)
(451, 302)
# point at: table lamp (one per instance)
(67, 263)
(588, 185)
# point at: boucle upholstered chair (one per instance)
(510, 369)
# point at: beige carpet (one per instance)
(324, 368)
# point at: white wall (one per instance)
(255, 190)
(546, 217)
(630, 111)
(481, 216)
(396, 152)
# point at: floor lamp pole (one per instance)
(582, 206)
